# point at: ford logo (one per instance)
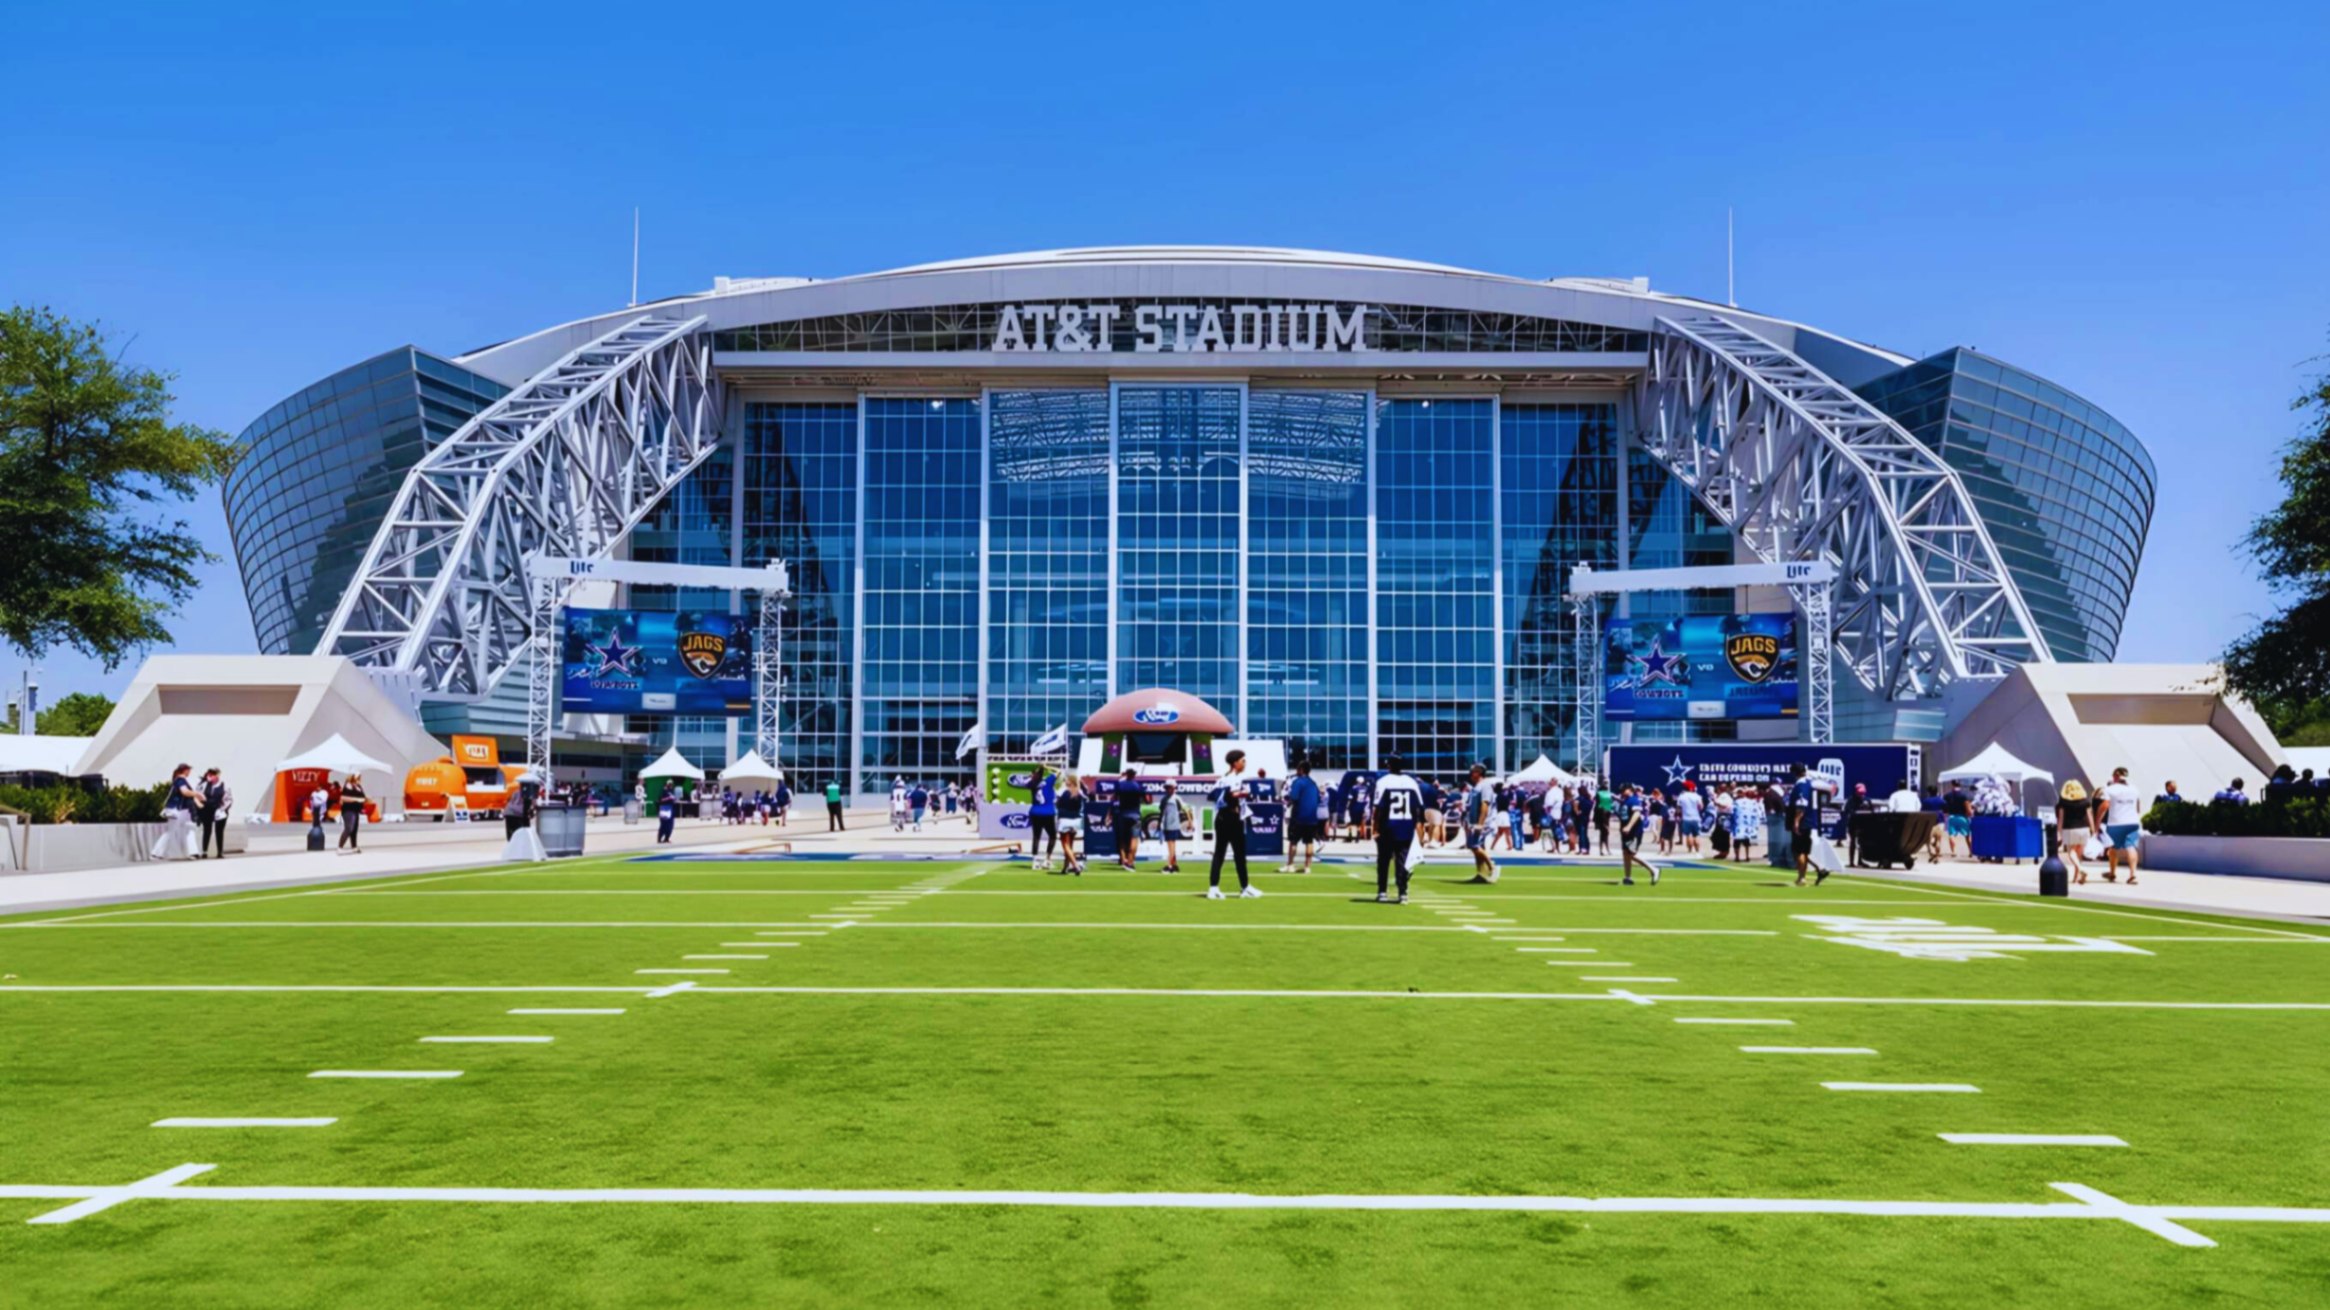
(1022, 780)
(1015, 821)
(1157, 715)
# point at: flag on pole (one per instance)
(972, 740)
(1054, 742)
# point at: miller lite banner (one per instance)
(657, 662)
(1727, 666)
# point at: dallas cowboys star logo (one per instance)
(1677, 771)
(1658, 666)
(614, 657)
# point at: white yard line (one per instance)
(2087, 1203)
(2082, 907)
(673, 990)
(2238, 941)
(1739, 1023)
(487, 1041)
(725, 957)
(1809, 1050)
(563, 1011)
(1589, 964)
(244, 1123)
(386, 1073)
(2030, 1139)
(746, 957)
(784, 928)
(1901, 1087)
(704, 971)
(2307, 1007)
(1555, 950)
(1587, 977)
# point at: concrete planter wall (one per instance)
(65, 847)
(2306, 858)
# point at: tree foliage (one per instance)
(78, 715)
(89, 458)
(2283, 663)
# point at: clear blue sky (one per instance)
(2131, 200)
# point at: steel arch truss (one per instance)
(1800, 468)
(565, 465)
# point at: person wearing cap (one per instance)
(1480, 810)
(1172, 825)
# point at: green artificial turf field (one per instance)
(1108, 1090)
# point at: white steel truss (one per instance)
(1800, 468)
(565, 465)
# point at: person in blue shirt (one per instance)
(2233, 795)
(1125, 819)
(667, 809)
(1803, 814)
(1043, 819)
(1229, 796)
(1305, 809)
(1397, 806)
(918, 800)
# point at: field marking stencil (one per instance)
(2086, 1203)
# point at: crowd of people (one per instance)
(912, 803)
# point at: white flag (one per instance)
(1054, 742)
(971, 741)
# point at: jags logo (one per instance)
(702, 652)
(1752, 655)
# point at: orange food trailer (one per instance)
(473, 779)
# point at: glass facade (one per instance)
(920, 594)
(2066, 490)
(1047, 561)
(1558, 493)
(800, 463)
(1307, 591)
(316, 475)
(1179, 541)
(1436, 555)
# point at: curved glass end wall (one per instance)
(2066, 490)
(315, 476)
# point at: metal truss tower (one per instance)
(1800, 468)
(565, 465)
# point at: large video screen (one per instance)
(657, 662)
(1729, 666)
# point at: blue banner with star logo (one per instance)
(657, 662)
(1709, 666)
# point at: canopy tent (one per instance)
(1546, 771)
(333, 755)
(751, 768)
(672, 765)
(1996, 761)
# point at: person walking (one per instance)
(1398, 800)
(1747, 824)
(1605, 805)
(352, 813)
(1634, 810)
(918, 801)
(667, 812)
(2074, 811)
(1173, 825)
(2123, 824)
(1691, 808)
(181, 802)
(1229, 798)
(833, 821)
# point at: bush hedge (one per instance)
(67, 802)
(2304, 817)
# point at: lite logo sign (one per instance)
(1189, 329)
(1932, 939)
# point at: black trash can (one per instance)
(2054, 878)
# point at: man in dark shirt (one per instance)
(1803, 813)
(1125, 816)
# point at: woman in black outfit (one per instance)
(351, 812)
(1230, 827)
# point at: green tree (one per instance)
(80, 714)
(89, 455)
(2283, 664)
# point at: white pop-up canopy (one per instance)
(1545, 770)
(752, 768)
(1996, 761)
(672, 765)
(333, 755)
